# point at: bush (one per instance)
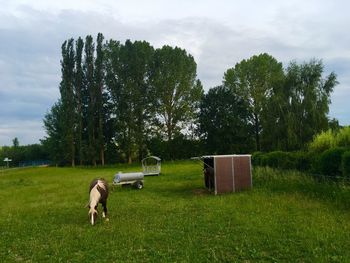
(256, 158)
(283, 160)
(342, 138)
(329, 162)
(277, 159)
(345, 164)
(322, 142)
(302, 160)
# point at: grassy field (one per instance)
(287, 217)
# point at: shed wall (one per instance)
(242, 172)
(224, 175)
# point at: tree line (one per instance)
(116, 98)
(23, 155)
(124, 101)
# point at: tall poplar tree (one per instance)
(89, 82)
(79, 103)
(127, 79)
(99, 86)
(67, 99)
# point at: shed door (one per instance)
(243, 179)
(224, 175)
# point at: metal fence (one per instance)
(34, 163)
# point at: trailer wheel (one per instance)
(139, 185)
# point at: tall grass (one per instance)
(286, 217)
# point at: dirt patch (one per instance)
(200, 192)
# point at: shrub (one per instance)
(345, 164)
(256, 158)
(329, 162)
(283, 160)
(302, 160)
(278, 159)
(322, 142)
(342, 138)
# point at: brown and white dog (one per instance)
(98, 194)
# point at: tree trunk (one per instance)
(257, 132)
(102, 154)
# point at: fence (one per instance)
(34, 163)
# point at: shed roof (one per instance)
(220, 156)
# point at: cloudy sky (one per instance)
(217, 33)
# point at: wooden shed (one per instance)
(227, 173)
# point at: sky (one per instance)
(218, 34)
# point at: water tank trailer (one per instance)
(151, 165)
(135, 179)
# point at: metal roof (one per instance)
(220, 156)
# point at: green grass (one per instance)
(287, 217)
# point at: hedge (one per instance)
(345, 164)
(283, 160)
(329, 162)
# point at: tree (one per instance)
(256, 80)
(54, 126)
(99, 85)
(308, 99)
(79, 102)
(67, 98)
(15, 142)
(224, 122)
(88, 69)
(127, 79)
(176, 91)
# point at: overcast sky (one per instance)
(217, 33)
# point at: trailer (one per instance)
(150, 166)
(135, 179)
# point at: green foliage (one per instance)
(342, 138)
(78, 99)
(23, 154)
(286, 217)
(303, 160)
(90, 105)
(307, 96)
(53, 123)
(257, 158)
(100, 101)
(329, 162)
(223, 122)
(142, 98)
(180, 148)
(322, 142)
(177, 92)
(128, 72)
(256, 80)
(15, 142)
(345, 164)
(278, 159)
(283, 160)
(330, 139)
